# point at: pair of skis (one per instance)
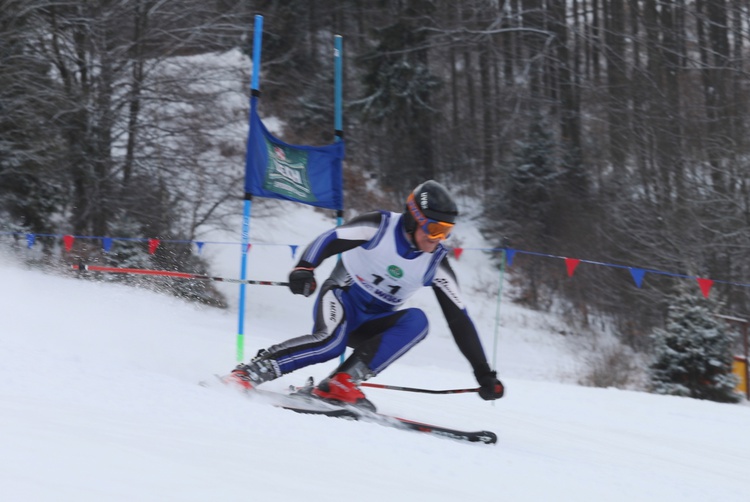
(300, 401)
(364, 415)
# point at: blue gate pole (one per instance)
(254, 89)
(338, 85)
(338, 119)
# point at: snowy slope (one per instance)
(99, 402)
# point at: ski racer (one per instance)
(385, 258)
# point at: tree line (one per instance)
(612, 130)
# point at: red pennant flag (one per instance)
(68, 241)
(705, 285)
(457, 252)
(247, 250)
(152, 245)
(571, 263)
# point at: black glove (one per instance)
(489, 386)
(302, 281)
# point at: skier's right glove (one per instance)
(489, 386)
(302, 281)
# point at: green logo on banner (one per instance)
(286, 173)
(395, 272)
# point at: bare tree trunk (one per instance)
(570, 129)
(140, 25)
(617, 85)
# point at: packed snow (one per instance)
(99, 401)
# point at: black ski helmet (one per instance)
(433, 201)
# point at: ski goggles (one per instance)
(434, 229)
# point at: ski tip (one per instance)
(487, 437)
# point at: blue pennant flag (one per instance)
(637, 274)
(308, 174)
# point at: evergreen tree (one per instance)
(399, 86)
(524, 212)
(531, 186)
(31, 191)
(693, 354)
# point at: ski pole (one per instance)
(413, 389)
(177, 275)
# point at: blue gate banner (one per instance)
(311, 175)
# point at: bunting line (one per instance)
(638, 274)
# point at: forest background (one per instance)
(610, 130)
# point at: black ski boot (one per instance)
(259, 370)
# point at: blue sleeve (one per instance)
(355, 232)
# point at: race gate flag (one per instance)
(311, 175)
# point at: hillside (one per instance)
(98, 401)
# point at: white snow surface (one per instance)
(99, 402)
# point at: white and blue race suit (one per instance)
(359, 305)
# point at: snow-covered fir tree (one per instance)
(693, 353)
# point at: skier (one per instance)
(385, 258)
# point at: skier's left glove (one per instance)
(489, 386)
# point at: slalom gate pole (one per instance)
(497, 312)
(338, 116)
(247, 206)
(414, 389)
(176, 275)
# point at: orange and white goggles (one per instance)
(434, 229)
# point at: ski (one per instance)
(352, 413)
(300, 401)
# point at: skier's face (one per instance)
(423, 241)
